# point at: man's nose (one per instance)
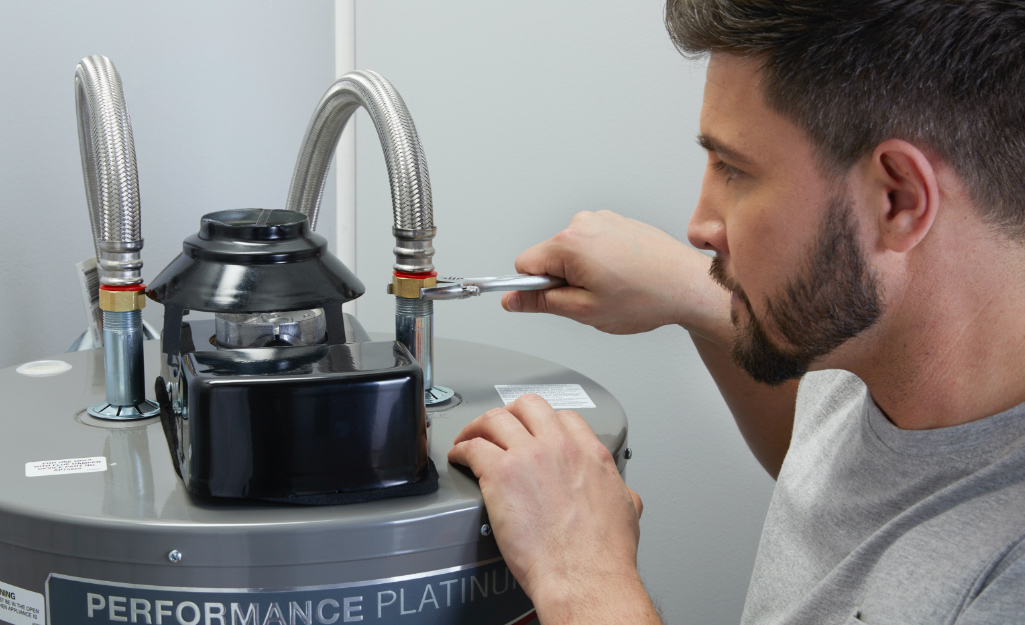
(707, 230)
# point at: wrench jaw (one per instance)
(449, 289)
(414, 312)
(462, 288)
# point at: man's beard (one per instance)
(832, 299)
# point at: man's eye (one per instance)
(730, 171)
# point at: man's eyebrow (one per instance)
(714, 145)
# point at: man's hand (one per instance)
(624, 277)
(564, 519)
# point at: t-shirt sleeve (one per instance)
(1002, 599)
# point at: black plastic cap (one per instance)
(255, 260)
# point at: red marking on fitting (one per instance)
(127, 287)
(416, 276)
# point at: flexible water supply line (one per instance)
(410, 191)
(112, 192)
(109, 170)
(407, 167)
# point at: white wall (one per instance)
(219, 94)
(345, 152)
(528, 112)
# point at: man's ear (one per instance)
(905, 194)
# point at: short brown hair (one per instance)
(946, 75)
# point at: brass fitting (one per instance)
(122, 301)
(410, 287)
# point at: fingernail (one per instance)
(512, 303)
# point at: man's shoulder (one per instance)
(824, 399)
(829, 382)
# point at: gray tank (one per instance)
(96, 527)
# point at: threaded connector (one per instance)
(122, 299)
(407, 286)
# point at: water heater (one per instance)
(267, 461)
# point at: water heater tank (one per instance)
(97, 528)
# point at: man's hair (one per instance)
(945, 75)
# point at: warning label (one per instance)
(21, 607)
(560, 396)
(65, 467)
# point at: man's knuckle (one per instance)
(583, 216)
(493, 415)
(531, 398)
(584, 312)
(472, 445)
(601, 453)
(567, 448)
(538, 300)
(507, 468)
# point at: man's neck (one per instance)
(953, 347)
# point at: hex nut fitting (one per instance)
(410, 287)
(122, 301)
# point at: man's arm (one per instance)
(627, 277)
(564, 519)
(764, 415)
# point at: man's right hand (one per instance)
(624, 277)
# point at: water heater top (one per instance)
(131, 512)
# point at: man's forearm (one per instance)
(764, 414)
(612, 602)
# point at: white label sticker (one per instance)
(21, 607)
(65, 467)
(560, 396)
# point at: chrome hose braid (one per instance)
(112, 192)
(109, 170)
(407, 168)
(410, 195)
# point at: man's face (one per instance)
(833, 298)
(786, 236)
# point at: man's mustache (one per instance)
(718, 273)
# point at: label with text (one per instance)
(21, 607)
(65, 467)
(482, 594)
(560, 396)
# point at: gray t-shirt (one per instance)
(873, 524)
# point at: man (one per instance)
(865, 206)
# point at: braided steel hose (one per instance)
(407, 167)
(112, 192)
(109, 170)
(410, 194)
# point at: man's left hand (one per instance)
(564, 520)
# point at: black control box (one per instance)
(271, 422)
